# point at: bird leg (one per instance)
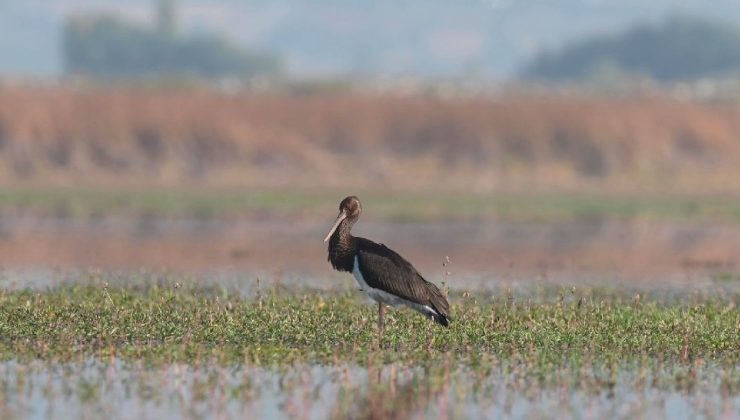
(381, 318)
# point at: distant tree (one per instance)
(107, 46)
(681, 48)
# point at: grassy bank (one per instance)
(417, 206)
(170, 324)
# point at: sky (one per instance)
(325, 38)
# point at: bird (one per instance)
(384, 275)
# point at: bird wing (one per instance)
(382, 268)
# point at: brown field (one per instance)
(117, 136)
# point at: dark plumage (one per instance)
(381, 273)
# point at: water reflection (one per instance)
(116, 389)
(644, 249)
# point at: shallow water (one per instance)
(115, 389)
(521, 286)
(637, 250)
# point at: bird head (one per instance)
(349, 209)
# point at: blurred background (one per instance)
(529, 141)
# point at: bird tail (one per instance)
(441, 319)
(440, 305)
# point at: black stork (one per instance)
(381, 273)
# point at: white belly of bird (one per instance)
(385, 297)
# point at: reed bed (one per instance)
(170, 136)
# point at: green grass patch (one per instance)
(168, 324)
(417, 206)
(726, 277)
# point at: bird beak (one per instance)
(341, 217)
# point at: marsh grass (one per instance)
(171, 324)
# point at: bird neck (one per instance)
(342, 246)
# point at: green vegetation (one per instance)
(418, 206)
(194, 352)
(727, 277)
(678, 49)
(174, 324)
